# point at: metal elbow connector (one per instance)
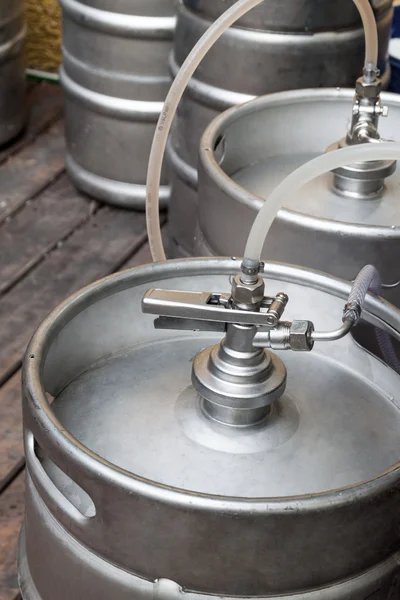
(296, 336)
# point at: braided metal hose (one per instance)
(368, 280)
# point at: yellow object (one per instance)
(43, 47)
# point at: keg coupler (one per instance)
(364, 180)
(239, 379)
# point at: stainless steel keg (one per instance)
(136, 490)
(281, 45)
(248, 150)
(12, 77)
(115, 78)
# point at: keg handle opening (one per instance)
(52, 495)
(177, 89)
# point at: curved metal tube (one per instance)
(332, 336)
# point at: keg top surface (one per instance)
(123, 390)
(258, 144)
(331, 429)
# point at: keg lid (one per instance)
(123, 390)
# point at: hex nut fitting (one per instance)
(247, 294)
(368, 90)
(300, 339)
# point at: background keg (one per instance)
(130, 483)
(115, 77)
(279, 46)
(247, 151)
(12, 77)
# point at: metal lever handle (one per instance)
(201, 306)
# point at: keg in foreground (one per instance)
(337, 223)
(280, 45)
(154, 472)
(115, 78)
(12, 74)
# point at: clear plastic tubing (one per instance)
(240, 8)
(165, 121)
(303, 175)
(370, 31)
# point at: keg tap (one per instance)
(364, 179)
(238, 379)
(367, 108)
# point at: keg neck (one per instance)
(237, 382)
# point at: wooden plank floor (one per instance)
(53, 241)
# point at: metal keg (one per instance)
(12, 92)
(247, 151)
(115, 78)
(280, 45)
(145, 480)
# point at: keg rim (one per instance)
(377, 310)
(244, 197)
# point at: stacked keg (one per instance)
(174, 466)
(115, 77)
(277, 46)
(337, 223)
(12, 77)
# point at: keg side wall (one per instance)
(130, 508)
(115, 77)
(258, 62)
(83, 574)
(12, 76)
(289, 15)
(246, 63)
